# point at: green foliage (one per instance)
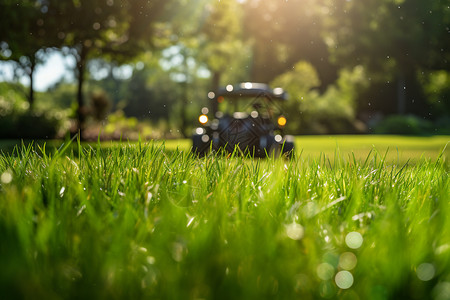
(392, 40)
(25, 33)
(436, 86)
(312, 112)
(284, 32)
(150, 95)
(222, 43)
(142, 222)
(60, 96)
(298, 83)
(114, 30)
(117, 126)
(18, 121)
(365, 54)
(300, 80)
(12, 98)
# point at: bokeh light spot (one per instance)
(425, 271)
(344, 279)
(294, 231)
(203, 119)
(327, 290)
(6, 177)
(348, 261)
(199, 130)
(354, 240)
(442, 291)
(325, 271)
(205, 138)
(278, 91)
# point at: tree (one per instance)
(332, 111)
(30, 35)
(394, 40)
(118, 30)
(222, 41)
(283, 33)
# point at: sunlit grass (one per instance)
(136, 220)
(399, 149)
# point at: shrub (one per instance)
(100, 105)
(409, 125)
(29, 125)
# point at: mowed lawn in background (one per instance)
(398, 149)
(402, 148)
(145, 220)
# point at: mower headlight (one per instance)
(203, 119)
(282, 121)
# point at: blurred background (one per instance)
(124, 69)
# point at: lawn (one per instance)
(398, 149)
(145, 220)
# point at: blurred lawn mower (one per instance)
(244, 117)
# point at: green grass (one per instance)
(399, 148)
(140, 221)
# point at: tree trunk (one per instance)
(401, 94)
(183, 116)
(410, 96)
(30, 70)
(185, 95)
(81, 66)
(215, 87)
(31, 88)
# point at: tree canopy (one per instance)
(394, 54)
